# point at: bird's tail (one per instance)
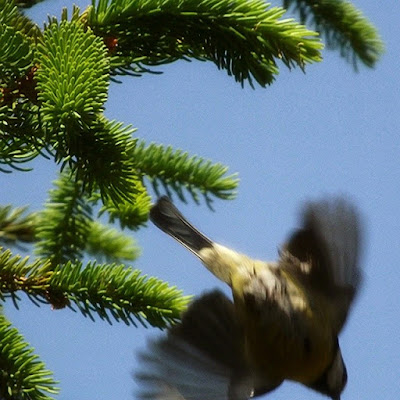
(201, 358)
(220, 260)
(168, 218)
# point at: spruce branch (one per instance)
(27, 3)
(177, 171)
(21, 136)
(106, 243)
(73, 75)
(16, 227)
(73, 82)
(104, 160)
(8, 11)
(120, 293)
(59, 223)
(12, 16)
(64, 223)
(16, 56)
(112, 292)
(132, 213)
(244, 37)
(22, 375)
(343, 27)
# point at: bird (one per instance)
(284, 319)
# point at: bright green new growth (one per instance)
(73, 75)
(132, 214)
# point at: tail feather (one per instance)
(168, 218)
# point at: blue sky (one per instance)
(329, 131)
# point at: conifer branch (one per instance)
(21, 137)
(343, 27)
(132, 213)
(8, 11)
(16, 55)
(106, 243)
(66, 220)
(104, 162)
(64, 223)
(176, 171)
(27, 3)
(12, 16)
(73, 75)
(72, 83)
(112, 292)
(15, 227)
(244, 37)
(65, 119)
(22, 375)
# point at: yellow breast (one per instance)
(288, 331)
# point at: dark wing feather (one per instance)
(201, 358)
(329, 240)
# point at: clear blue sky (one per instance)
(326, 132)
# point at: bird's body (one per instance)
(285, 317)
(267, 343)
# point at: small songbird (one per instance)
(283, 323)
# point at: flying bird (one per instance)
(283, 322)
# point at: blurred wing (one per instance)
(200, 359)
(329, 242)
(173, 369)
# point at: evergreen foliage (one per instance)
(132, 214)
(64, 223)
(54, 83)
(108, 244)
(176, 171)
(110, 291)
(244, 37)
(15, 227)
(343, 27)
(23, 376)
